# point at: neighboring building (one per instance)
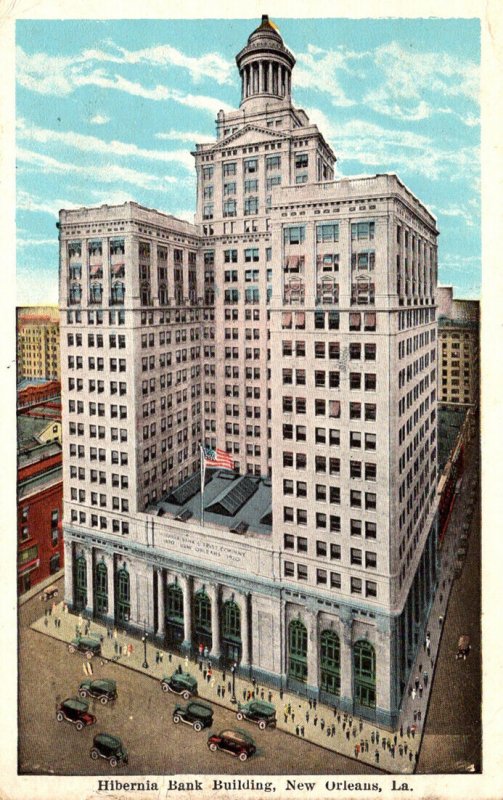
(38, 342)
(458, 343)
(293, 325)
(40, 494)
(455, 429)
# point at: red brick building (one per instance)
(40, 494)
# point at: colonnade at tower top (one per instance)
(265, 66)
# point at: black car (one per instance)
(109, 747)
(260, 712)
(197, 714)
(237, 743)
(75, 711)
(181, 683)
(103, 690)
(86, 644)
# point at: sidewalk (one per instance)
(394, 752)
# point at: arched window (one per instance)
(330, 662)
(123, 596)
(202, 612)
(364, 662)
(80, 582)
(163, 295)
(75, 293)
(101, 582)
(231, 621)
(297, 650)
(174, 603)
(118, 292)
(145, 294)
(95, 293)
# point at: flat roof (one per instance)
(450, 422)
(230, 501)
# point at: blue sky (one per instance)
(109, 110)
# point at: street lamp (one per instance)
(233, 673)
(144, 640)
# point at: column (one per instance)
(281, 86)
(68, 573)
(89, 570)
(187, 613)
(260, 76)
(269, 79)
(245, 628)
(109, 561)
(248, 80)
(214, 593)
(312, 652)
(346, 699)
(161, 612)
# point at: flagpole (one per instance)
(203, 471)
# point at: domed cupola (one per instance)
(265, 65)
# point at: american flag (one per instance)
(213, 457)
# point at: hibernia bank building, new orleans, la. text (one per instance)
(293, 326)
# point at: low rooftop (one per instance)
(241, 503)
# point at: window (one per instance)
(363, 230)
(335, 580)
(356, 586)
(301, 160)
(250, 165)
(356, 557)
(370, 382)
(327, 232)
(294, 235)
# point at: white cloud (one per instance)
(27, 202)
(35, 242)
(221, 70)
(184, 136)
(113, 173)
(318, 70)
(93, 144)
(99, 119)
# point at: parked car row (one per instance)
(199, 715)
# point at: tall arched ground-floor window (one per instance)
(202, 620)
(364, 662)
(297, 650)
(231, 632)
(101, 589)
(330, 663)
(80, 583)
(174, 615)
(123, 596)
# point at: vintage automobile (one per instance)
(49, 593)
(86, 644)
(258, 711)
(237, 743)
(181, 683)
(195, 713)
(109, 747)
(75, 711)
(464, 647)
(103, 689)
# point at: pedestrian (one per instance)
(50, 610)
(333, 730)
(383, 744)
(401, 731)
(344, 725)
(410, 690)
(286, 718)
(261, 694)
(302, 730)
(372, 737)
(392, 750)
(400, 750)
(357, 750)
(157, 656)
(329, 732)
(419, 716)
(414, 694)
(347, 734)
(223, 676)
(200, 666)
(115, 648)
(297, 730)
(55, 622)
(416, 682)
(322, 724)
(405, 747)
(428, 649)
(289, 708)
(415, 716)
(376, 756)
(314, 704)
(420, 691)
(223, 691)
(408, 731)
(413, 730)
(395, 738)
(269, 696)
(205, 652)
(201, 649)
(293, 716)
(218, 690)
(377, 737)
(420, 668)
(410, 755)
(124, 650)
(307, 716)
(46, 622)
(366, 745)
(315, 721)
(425, 679)
(170, 657)
(361, 725)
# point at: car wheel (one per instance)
(176, 719)
(212, 747)
(71, 648)
(165, 687)
(262, 725)
(243, 756)
(103, 700)
(197, 726)
(82, 693)
(239, 715)
(186, 695)
(94, 754)
(113, 762)
(59, 716)
(79, 725)
(89, 655)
